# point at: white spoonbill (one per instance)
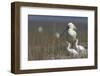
(79, 48)
(71, 31)
(71, 50)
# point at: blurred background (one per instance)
(47, 36)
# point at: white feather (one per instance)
(71, 31)
(71, 50)
(79, 47)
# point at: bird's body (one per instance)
(72, 33)
(79, 48)
(71, 50)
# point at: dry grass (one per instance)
(44, 46)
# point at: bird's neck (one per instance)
(76, 43)
(68, 46)
(71, 29)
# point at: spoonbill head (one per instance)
(71, 25)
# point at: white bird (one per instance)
(79, 48)
(71, 50)
(71, 25)
(71, 31)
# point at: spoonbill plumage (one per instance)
(71, 50)
(79, 48)
(71, 31)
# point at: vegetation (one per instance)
(44, 46)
